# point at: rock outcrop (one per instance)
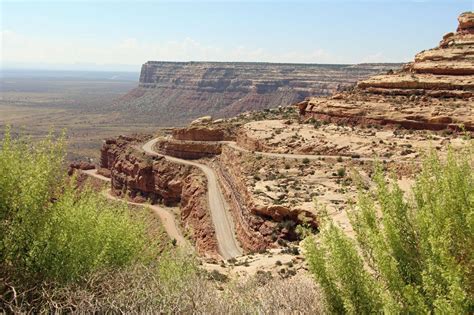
(81, 165)
(112, 147)
(202, 133)
(173, 93)
(189, 150)
(140, 177)
(195, 141)
(434, 92)
(258, 225)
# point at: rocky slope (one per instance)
(280, 169)
(139, 177)
(434, 92)
(173, 93)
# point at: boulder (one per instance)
(202, 120)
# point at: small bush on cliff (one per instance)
(408, 256)
(50, 232)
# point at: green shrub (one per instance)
(49, 231)
(341, 172)
(410, 256)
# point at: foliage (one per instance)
(68, 251)
(341, 172)
(304, 230)
(410, 255)
(48, 230)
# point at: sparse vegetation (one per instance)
(68, 251)
(341, 172)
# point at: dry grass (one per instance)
(142, 289)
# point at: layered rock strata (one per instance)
(202, 133)
(189, 150)
(187, 90)
(258, 225)
(195, 142)
(139, 177)
(434, 92)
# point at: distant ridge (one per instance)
(174, 93)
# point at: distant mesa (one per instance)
(175, 93)
(435, 91)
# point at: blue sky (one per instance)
(115, 34)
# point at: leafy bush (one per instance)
(410, 256)
(48, 230)
(341, 172)
(46, 226)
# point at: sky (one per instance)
(122, 35)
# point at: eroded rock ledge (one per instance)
(186, 90)
(188, 150)
(139, 177)
(434, 92)
(258, 225)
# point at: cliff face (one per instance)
(171, 93)
(140, 178)
(435, 91)
(258, 225)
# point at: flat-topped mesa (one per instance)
(442, 71)
(187, 90)
(434, 92)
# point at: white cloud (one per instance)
(17, 48)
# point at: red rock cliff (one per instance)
(140, 177)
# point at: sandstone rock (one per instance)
(188, 149)
(141, 178)
(454, 56)
(185, 90)
(202, 120)
(255, 223)
(195, 214)
(440, 80)
(466, 21)
(201, 133)
(82, 165)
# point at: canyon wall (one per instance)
(258, 226)
(139, 177)
(174, 93)
(435, 91)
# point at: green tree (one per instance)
(409, 255)
(49, 230)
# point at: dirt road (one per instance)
(167, 218)
(220, 213)
(234, 146)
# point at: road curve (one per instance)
(167, 218)
(221, 218)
